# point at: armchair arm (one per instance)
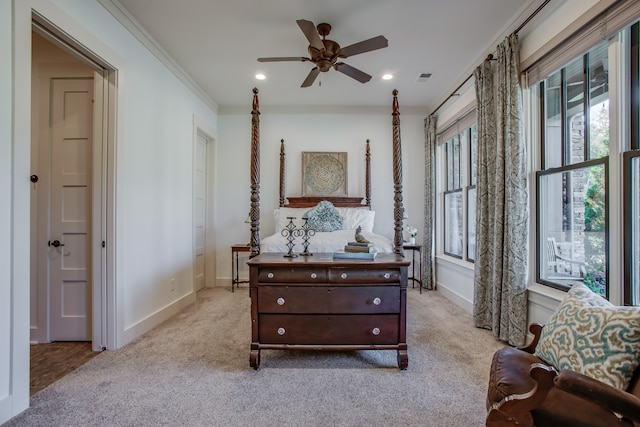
(516, 409)
(536, 330)
(611, 398)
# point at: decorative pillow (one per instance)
(589, 335)
(324, 217)
(353, 218)
(281, 215)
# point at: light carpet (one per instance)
(193, 370)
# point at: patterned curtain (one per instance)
(502, 222)
(428, 279)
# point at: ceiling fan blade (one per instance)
(284, 58)
(310, 32)
(364, 46)
(311, 77)
(360, 76)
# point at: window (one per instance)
(631, 177)
(453, 199)
(572, 183)
(459, 160)
(632, 227)
(587, 218)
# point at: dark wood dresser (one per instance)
(318, 303)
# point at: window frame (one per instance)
(567, 163)
(462, 128)
(540, 241)
(628, 218)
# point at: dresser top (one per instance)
(326, 259)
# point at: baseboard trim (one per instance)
(145, 325)
(456, 298)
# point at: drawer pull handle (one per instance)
(281, 331)
(270, 275)
(377, 301)
(387, 275)
(375, 331)
(343, 275)
(314, 276)
(280, 301)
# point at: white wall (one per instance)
(153, 189)
(319, 131)
(455, 277)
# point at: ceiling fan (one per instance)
(324, 53)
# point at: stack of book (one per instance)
(357, 250)
(359, 247)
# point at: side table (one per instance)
(235, 250)
(415, 249)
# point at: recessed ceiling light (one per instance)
(260, 76)
(387, 77)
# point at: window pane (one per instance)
(450, 169)
(574, 104)
(471, 224)
(453, 223)
(456, 162)
(572, 227)
(473, 155)
(599, 102)
(635, 231)
(553, 122)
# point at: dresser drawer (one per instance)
(329, 299)
(309, 329)
(288, 275)
(364, 275)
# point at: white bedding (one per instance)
(324, 242)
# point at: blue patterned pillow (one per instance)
(589, 335)
(324, 217)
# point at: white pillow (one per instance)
(280, 217)
(353, 218)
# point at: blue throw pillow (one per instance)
(589, 335)
(324, 217)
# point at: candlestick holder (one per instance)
(289, 233)
(306, 232)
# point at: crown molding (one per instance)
(133, 26)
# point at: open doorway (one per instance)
(72, 168)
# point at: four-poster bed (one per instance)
(318, 302)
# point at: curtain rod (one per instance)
(490, 56)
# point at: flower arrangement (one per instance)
(413, 232)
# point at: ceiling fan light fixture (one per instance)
(324, 53)
(260, 76)
(387, 76)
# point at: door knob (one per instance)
(55, 243)
(34, 178)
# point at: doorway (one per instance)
(200, 204)
(73, 171)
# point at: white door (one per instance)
(199, 211)
(70, 209)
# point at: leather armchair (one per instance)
(525, 391)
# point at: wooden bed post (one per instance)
(367, 188)
(398, 209)
(282, 173)
(254, 213)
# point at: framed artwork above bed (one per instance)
(324, 173)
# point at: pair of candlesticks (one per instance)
(290, 232)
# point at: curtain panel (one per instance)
(500, 295)
(428, 271)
